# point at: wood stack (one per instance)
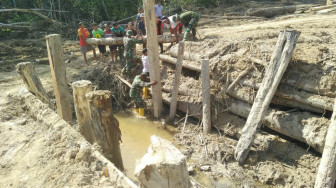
(303, 97)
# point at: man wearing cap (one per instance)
(129, 51)
(135, 93)
(189, 20)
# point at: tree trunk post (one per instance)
(205, 74)
(105, 126)
(82, 108)
(329, 2)
(326, 173)
(32, 81)
(153, 53)
(278, 65)
(58, 73)
(176, 83)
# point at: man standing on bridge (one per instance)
(129, 51)
(135, 93)
(189, 20)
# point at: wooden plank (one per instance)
(278, 65)
(205, 74)
(176, 82)
(326, 173)
(82, 108)
(153, 53)
(58, 73)
(105, 126)
(186, 64)
(32, 81)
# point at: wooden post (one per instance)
(105, 126)
(205, 74)
(326, 173)
(176, 83)
(32, 81)
(153, 53)
(278, 65)
(58, 73)
(329, 2)
(82, 108)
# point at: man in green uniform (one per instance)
(135, 93)
(129, 51)
(189, 20)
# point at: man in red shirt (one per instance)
(83, 34)
(159, 30)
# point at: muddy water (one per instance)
(136, 135)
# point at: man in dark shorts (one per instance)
(109, 34)
(99, 33)
(119, 31)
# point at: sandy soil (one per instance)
(37, 157)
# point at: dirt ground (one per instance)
(36, 156)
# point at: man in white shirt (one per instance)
(145, 62)
(159, 10)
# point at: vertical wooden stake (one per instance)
(326, 173)
(273, 75)
(206, 119)
(32, 81)
(105, 126)
(82, 108)
(176, 83)
(58, 73)
(153, 53)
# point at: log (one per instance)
(302, 126)
(153, 51)
(162, 166)
(31, 12)
(82, 108)
(278, 65)
(205, 74)
(185, 64)
(322, 7)
(187, 55)
(176, 82)
(58, 73)
(310, 84)
(32, 81)
(242, 94)
(119, 40)
(273, 11)
(15, 26)
(105, 126)
(326, 173)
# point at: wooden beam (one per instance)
(153, 53)
(32, 81)
(82, 108)
(205, 74)
(186, 64)
(105, 126)
(119, 40)
(58, 73)
(326, 173)
(176, 82)
(278, 65)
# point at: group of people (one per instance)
(132, 36)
